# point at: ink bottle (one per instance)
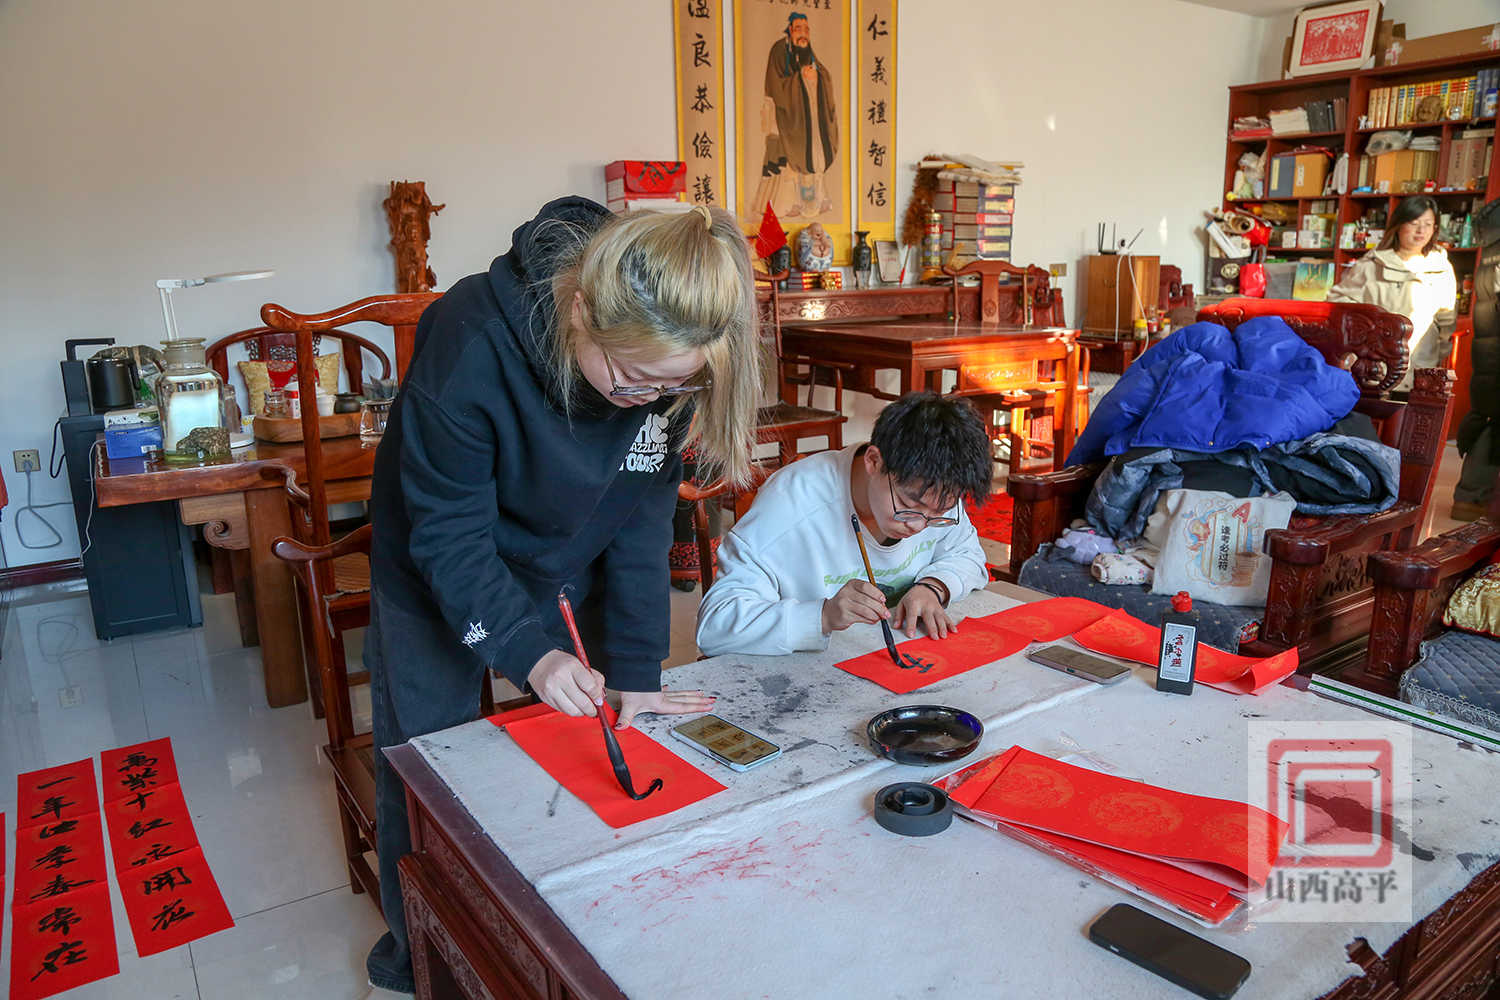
(1177, 660)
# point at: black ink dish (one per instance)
(924, 734)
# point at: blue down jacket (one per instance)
(1207, 389)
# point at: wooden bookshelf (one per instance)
(1354, 88)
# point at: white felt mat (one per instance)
(809, 897)
(815, 712)
(784, 886)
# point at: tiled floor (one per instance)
(254, 778)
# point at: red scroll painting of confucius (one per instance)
(63, 933)
(170, 894)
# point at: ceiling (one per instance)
(1257, 8)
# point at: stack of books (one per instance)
(1456, 99)
(977, 220)
(1469, 153)
(1312, 116)
(1250, 127)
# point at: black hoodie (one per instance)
(488, 498)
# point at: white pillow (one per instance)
(1213, 545)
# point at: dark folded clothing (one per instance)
(1346, 470)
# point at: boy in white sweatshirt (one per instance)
(790, 572)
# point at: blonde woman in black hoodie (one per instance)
(535, 444)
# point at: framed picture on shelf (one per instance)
(1334, 38)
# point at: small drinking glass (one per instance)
(372, 417)
(276, 404)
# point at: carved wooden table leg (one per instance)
(275, 598)
(225, 528)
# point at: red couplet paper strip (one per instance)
(173, 902)
(571, 749)
(1048, 795)
(1202, 897)
(139, 768)
(171, 896)
(1049, 620)
(926, 660)
(62, 934)
(1129, 638)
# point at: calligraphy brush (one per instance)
(885, 626)
(611, 745)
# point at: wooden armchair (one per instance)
(1032, 393)
(327, 614)
(1411, 589)
(1320, 595)
(740, 499)
(787, 424)
(347, 574)
(265, 344)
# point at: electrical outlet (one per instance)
(1058, 270)
(70, 696)
(28, 460)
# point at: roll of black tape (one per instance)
(913, 809)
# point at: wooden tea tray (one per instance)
(283, 430)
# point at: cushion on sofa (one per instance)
(1457, 674)
(1220, 626)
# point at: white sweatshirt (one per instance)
(795, 548)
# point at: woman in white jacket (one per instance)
(1409, 274)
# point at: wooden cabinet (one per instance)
(1121, 289)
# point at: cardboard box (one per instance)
(1450, 43)
(1403, 171)
(132, 433)
(1298, 175)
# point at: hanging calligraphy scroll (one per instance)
(699, 46)
(63, 933)
(875, 119)
(170, 894)
(792, 115)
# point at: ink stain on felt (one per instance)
(1474, 862)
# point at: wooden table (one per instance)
(919, 350)
(241, 503)
(480, 928)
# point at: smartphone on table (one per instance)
(1080, 664)
(1176, 955)
(725, 742)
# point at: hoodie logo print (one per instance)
(475, 635)
(649, 452)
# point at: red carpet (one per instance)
(993, 519)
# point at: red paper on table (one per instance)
(62, 943)
(62, 933)
(571, 749)
(974, 644)
(171, 896)
(139, 768)
(173, 902)
(1049, 620)
(2, 876)
(1221, 838)
(1129, 638)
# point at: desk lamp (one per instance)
(166, 286)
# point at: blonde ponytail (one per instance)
(657, 284)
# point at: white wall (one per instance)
(173, 137)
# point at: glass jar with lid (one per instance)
(188, 393)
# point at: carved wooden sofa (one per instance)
(1320, 595)
(1411, 654)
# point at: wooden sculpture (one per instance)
(408, 211)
